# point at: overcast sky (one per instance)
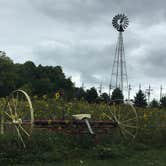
(78, 35)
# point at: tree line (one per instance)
(47, 80)
(40, 80)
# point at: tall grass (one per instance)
(45, 145)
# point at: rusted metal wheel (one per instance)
(18, 115)
(125, 116)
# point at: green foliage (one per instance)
(5, 58)
(140, 99)
(49, 146)
(7, 76)
(117, 95)
(80, 93)
(91, 95)
(36, 80)
(163, 102)
(57, 149)
(104, 97)
(39, 80)
(154, 104)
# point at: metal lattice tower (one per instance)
(119, 71)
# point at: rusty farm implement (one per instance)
(17, 117)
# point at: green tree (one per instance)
(7, 75)
(39, 80)
(4, 57)
(91, 95)
(42, 87)
(27, 74)
(140, 99)
(163, 102)
(80, 93)
(117, 96)
(154, 104)
(105, 97)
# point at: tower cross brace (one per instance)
(119, 78)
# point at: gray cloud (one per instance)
(90, 11)
(155, 63)
(90, 58)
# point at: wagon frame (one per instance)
(18, 115)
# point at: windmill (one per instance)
(100, 88)
(148, 93)
(161, 92)
(129, 91)
(119, 72)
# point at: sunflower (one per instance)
(57, 95)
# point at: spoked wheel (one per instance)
(18, 115)
(125, 116)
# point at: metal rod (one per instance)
(89, 126)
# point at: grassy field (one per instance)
(149, 157)
(50, 149)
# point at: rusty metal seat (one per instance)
(82, 116)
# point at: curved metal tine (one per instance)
(20, 136)
(24, 130)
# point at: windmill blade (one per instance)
(124, 22)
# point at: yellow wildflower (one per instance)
(57, 95)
